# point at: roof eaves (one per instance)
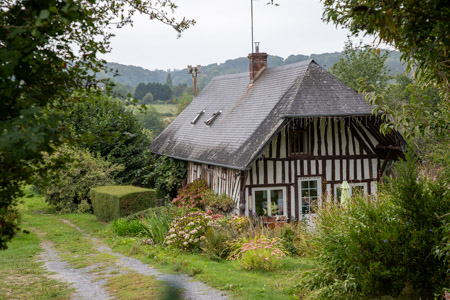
(325, 115)
(200, 161)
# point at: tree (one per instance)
(140, 91)
(361, 63)
(183, 102)
(108, 128)
(148, 98)
(169, 81)
(48, 50)
(420, 30)
(152, 120)
(158, 90)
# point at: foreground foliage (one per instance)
(419, 30)
(49, 49)
(381, 247)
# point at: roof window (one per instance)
(197, 117)
(213, 117)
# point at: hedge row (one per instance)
(112, 202)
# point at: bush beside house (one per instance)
(112, 202)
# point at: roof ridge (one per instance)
(273, 69)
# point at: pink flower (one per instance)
(266, 258)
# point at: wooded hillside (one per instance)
(132, 75)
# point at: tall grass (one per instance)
(156, 225)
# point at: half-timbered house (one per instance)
(285, 136)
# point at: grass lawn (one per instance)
(223, 275)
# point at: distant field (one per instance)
(165, 108)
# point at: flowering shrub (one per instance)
(259, 254)
(192, 195)
(186, 232)
(217, 203)
(238, 223)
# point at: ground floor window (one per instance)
(359, 188)
(310, 193)
(269, 201)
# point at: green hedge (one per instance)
(112, 202)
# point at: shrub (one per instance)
(112, 202)
(377, 248)
(70, 174)
(259, 253)
(187, 231)
(123, 227)
(198, 195)
(192, 195)
(215, 244)
(167, 174)
(238, 223)
(217, 203)
(287, 234)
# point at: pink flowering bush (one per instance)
(186, 232)
(259, 254)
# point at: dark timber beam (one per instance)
(383, 167)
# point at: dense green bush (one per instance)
(166, 174)
(380, 247)
(107, 127)
(70, 174)
(123, 227)
(151, 120)
(111, 202)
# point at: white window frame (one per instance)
(269, 201)
(351, 184)
(319, 191)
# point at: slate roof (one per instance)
(252, 115)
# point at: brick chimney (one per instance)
(258, 62)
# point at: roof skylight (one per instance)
(213, 117)
(197, 117)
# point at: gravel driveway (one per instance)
(89, 285)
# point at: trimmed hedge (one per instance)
(112, 202)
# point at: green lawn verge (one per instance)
(223, 275)
(80, 252)
(22, 276)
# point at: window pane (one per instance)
(338, 193)
(313, 192)
(313, 183)
(305, 193)
(304, 185)
(305, 209)
(260, 202)
(276, 197)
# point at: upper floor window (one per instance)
(298, 142)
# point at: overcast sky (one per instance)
(223, 32)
